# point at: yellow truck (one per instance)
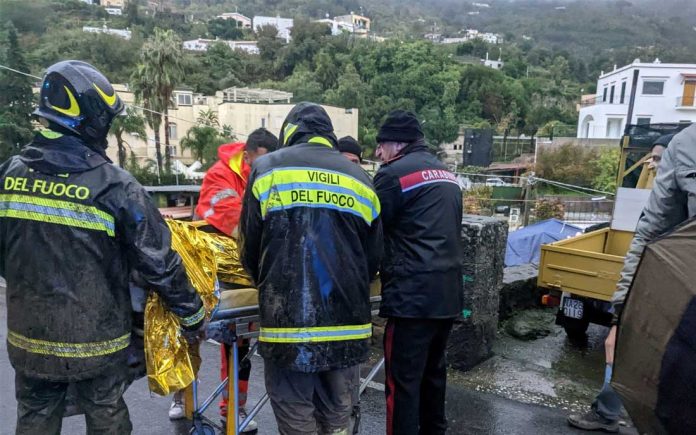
(581, 273)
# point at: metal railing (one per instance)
(591, 101)
(583, 212)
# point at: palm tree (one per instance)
(203, 142)
(154, 80)
(208, 118)
(132, 123)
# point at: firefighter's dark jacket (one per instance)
(422, 214)
(312, 240)
(72, 227)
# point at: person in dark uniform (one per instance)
(311, 241)
(421, 274)
(73, 227)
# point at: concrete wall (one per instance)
(483, 257)
(557, 142)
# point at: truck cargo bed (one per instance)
(587, 265)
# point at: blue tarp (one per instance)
(524, 246)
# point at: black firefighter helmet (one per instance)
(77, 98)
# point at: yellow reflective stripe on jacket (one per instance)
(194, 318)
(50, 134)
(68, 350)
(286, 188)
(56, 212)
(321, 140)
(315, 335)
(289, 130)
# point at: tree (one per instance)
(606, 167)
(326, 71)
(204, 139)
(199, 139)
(159, 72)
(225, 29)
(208, 118)
(268, 42)
(218, 68)
(132, 13)
(132, 123)
(570, 164)
(16, 97)
(351, 91)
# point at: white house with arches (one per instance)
(666, 93)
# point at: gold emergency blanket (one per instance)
(169, 365)
(229, 265)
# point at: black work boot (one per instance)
(593, 421)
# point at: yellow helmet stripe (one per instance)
(73, 110)
(110, 100)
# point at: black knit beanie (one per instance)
(349, 145)
(400, 126)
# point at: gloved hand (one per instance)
(136, 349)
(196, 333)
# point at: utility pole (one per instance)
(529, 183)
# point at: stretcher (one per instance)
(229, 323)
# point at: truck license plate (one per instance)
(573, 308)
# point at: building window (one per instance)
(184, 99)
(172, 131)
(623, 93)
(643, 120)
(604, 96)
(263, 122)
(611, 95)
(653, 87)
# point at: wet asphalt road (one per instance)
(479, 402)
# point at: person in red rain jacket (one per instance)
(220, 205)
(220, 202)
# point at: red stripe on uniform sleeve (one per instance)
(411, 180)
(426, 176)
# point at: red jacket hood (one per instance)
(232, 155)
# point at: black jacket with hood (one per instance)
(72, 227)
(311, 240)
(422, 217)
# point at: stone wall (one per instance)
(483, 245)
(519, 290)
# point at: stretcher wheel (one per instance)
(205, 429)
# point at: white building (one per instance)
(202, 44)
(242, 109)
(242, 21)
(114, 11)
(491, 38)
(666, 93)
(472, 34)
(250, 47)
(490, 63)
(121, 33)
(337, 27)
(284, 25)
(360, 24)
(454, 40)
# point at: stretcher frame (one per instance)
(241, 318)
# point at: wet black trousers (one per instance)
(40, 405)
(416, 375)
